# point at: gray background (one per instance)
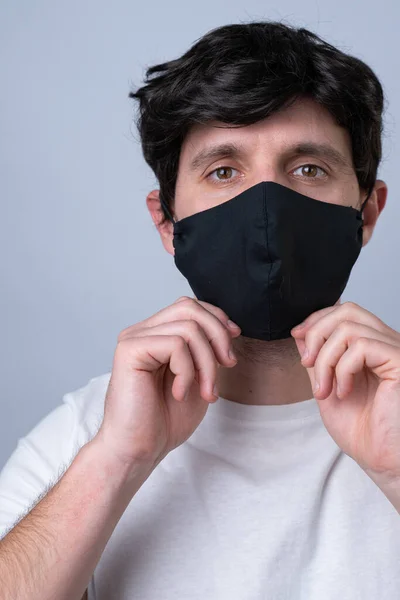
(80, 258)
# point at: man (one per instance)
(229, 454)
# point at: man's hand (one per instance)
(163, 379)
(353, 360)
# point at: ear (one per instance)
(164, 226)
(375, 205)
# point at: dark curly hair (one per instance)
(242, 73)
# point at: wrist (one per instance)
(123, 477)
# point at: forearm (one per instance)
(53, 551)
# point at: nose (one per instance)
(265, 172)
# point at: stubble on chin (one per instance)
(278, 353)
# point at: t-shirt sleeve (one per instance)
(43, 455)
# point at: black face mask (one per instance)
(269, 257)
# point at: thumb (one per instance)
(300, 343)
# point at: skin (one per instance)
(349, 356)
(268, 372)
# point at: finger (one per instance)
(334, 348)
(204, 359)
(216, 311)
(149, 355)
(165, 314)
(316, 335)
(182, 366)
(380, 357)
(219, 335)
(347, 311)
(301, 328)
(221, 315)
(222, 351)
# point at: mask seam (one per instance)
(269, 258)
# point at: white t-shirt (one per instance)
(259, 503)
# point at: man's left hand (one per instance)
(353, 362)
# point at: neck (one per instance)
(266, 373)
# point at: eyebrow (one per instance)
(235, 151)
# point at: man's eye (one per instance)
(310, 171)
(222, 174)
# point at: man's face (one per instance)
(300, 147)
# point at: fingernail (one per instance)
(316, 387)
(233, 325)
(305, 354)
(215, 391)
(232, 355)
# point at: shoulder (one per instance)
(42, 455)
(72, 423)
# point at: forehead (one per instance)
(305, 119)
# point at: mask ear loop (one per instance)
(366, 200)
(167, 211)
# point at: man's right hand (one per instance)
(159, 362)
